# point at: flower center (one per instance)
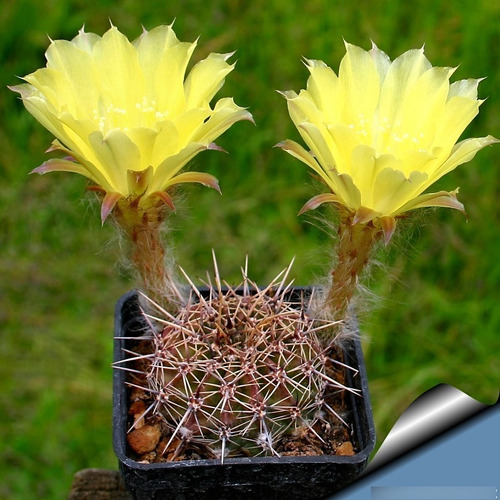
(386, 136)
(143, 113)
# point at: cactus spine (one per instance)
(235, 370)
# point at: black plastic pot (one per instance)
(308, 477)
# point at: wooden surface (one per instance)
(98, 484)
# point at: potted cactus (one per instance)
(243, 391)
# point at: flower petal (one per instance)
(167, 170)
(120, 77)
(297, 151)
(163, 60)
(165, 197)
(462, 152)
(85, 41)
(388, 227)
(62, 165)
(226, 113)
(320, 146)
(73, 70)
(200, 177)
(392, 189)
(318, 200)
(382, 132)
(465, 88)
(439, 199)
(364, 215)
(205, 79)
(324, 88)
(361, 94)
(458, 113)
(139, 180)
(118, 154)
(400, 77)
(108, 203)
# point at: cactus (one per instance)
(237, 370)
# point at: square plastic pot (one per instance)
(263, 478)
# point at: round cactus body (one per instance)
(236, 370)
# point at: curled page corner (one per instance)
(436, 411)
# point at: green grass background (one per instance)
(433, 312)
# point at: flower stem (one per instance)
(355, 244)
(143, 229)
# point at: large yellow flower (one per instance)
(382, 132)
(125, 113)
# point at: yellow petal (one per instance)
(361, 94)
(37, 107)
(116, 154)
(400, 77)
(139, 180)
(324, 88)
(189, 123)
(74, 77)
(85, 41)
(145, 139)
(225, 113)
(120, 79)
(163, 60)
(439, 199)
(302, 108)
(46, 84)
(342, 185)
(344, 141)
(166, 144)
(462, 152)
(166, 171)
(205, 79)
(457, 114)
(381, 60)
(89, 169)
(465, 88)
(365, 167)
(417, 122)
(392, 189)
(344, 188)
(319, 145)
(297, 151)
(74, 134)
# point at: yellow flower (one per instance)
(382, 132)
(126, 115)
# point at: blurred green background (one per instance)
(432, 314)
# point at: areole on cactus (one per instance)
(237, 370)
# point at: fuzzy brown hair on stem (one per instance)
(143, 230)
(354, 248)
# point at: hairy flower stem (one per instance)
(143, 229)
(355, 244)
